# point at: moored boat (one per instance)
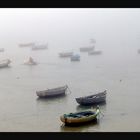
(80, 117)
(65, 54)
(92, 99)
(75, 57)
(5, 63)
(59, 91)
(27, 44)
(86, 49)
(94, 52)
(40, 47)
(30, 61)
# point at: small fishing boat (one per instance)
(59, 91)
(40, 47)
(1, 49)
(75, 57)
(27, 44)
(5, 63)
(65, 54)
(86, 49)
(94, 52)
(80, 117)
(92, 99)
(30, 61)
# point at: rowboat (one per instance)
(86, 49)
(40, 47)
(30, 61)
(5, 63)
(27, 44)
(59, 91)
(94, 52)
(65, 54)
(75, 57)
(80, 117)
(92, 99)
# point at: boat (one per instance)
(1, 49)
(40, 47)
(75, 57)
(92, 99)
(27, 44)
(80, 117)
(86, 49)
(94, 52)
(59, 91)
(5, 63)
(65, 54)
(30, 61)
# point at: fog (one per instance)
(71, 28)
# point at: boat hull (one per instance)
(52, 92)
(67, 54)
(92, 99)
(82, 120)
(94, 52)
(86, 49)
(5, 63)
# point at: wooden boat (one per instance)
(1, 49)
(5, 63)
(80, 117)
(86, 49)
(59, 91)
(27, 44)
(40, 47)
(30, 61)
(94, 52)
(65, 54)
(92, 99)
(75, 57)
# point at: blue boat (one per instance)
(75, 57)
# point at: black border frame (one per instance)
(69, 4)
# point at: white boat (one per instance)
(94, 52)
(1, 49)
(65, 54)
(75, 57)
(40, 47)
(54, 92)
(30, 61)
(27, 44)
(5, 63)
(86, 49)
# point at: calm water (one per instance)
(116, 70)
